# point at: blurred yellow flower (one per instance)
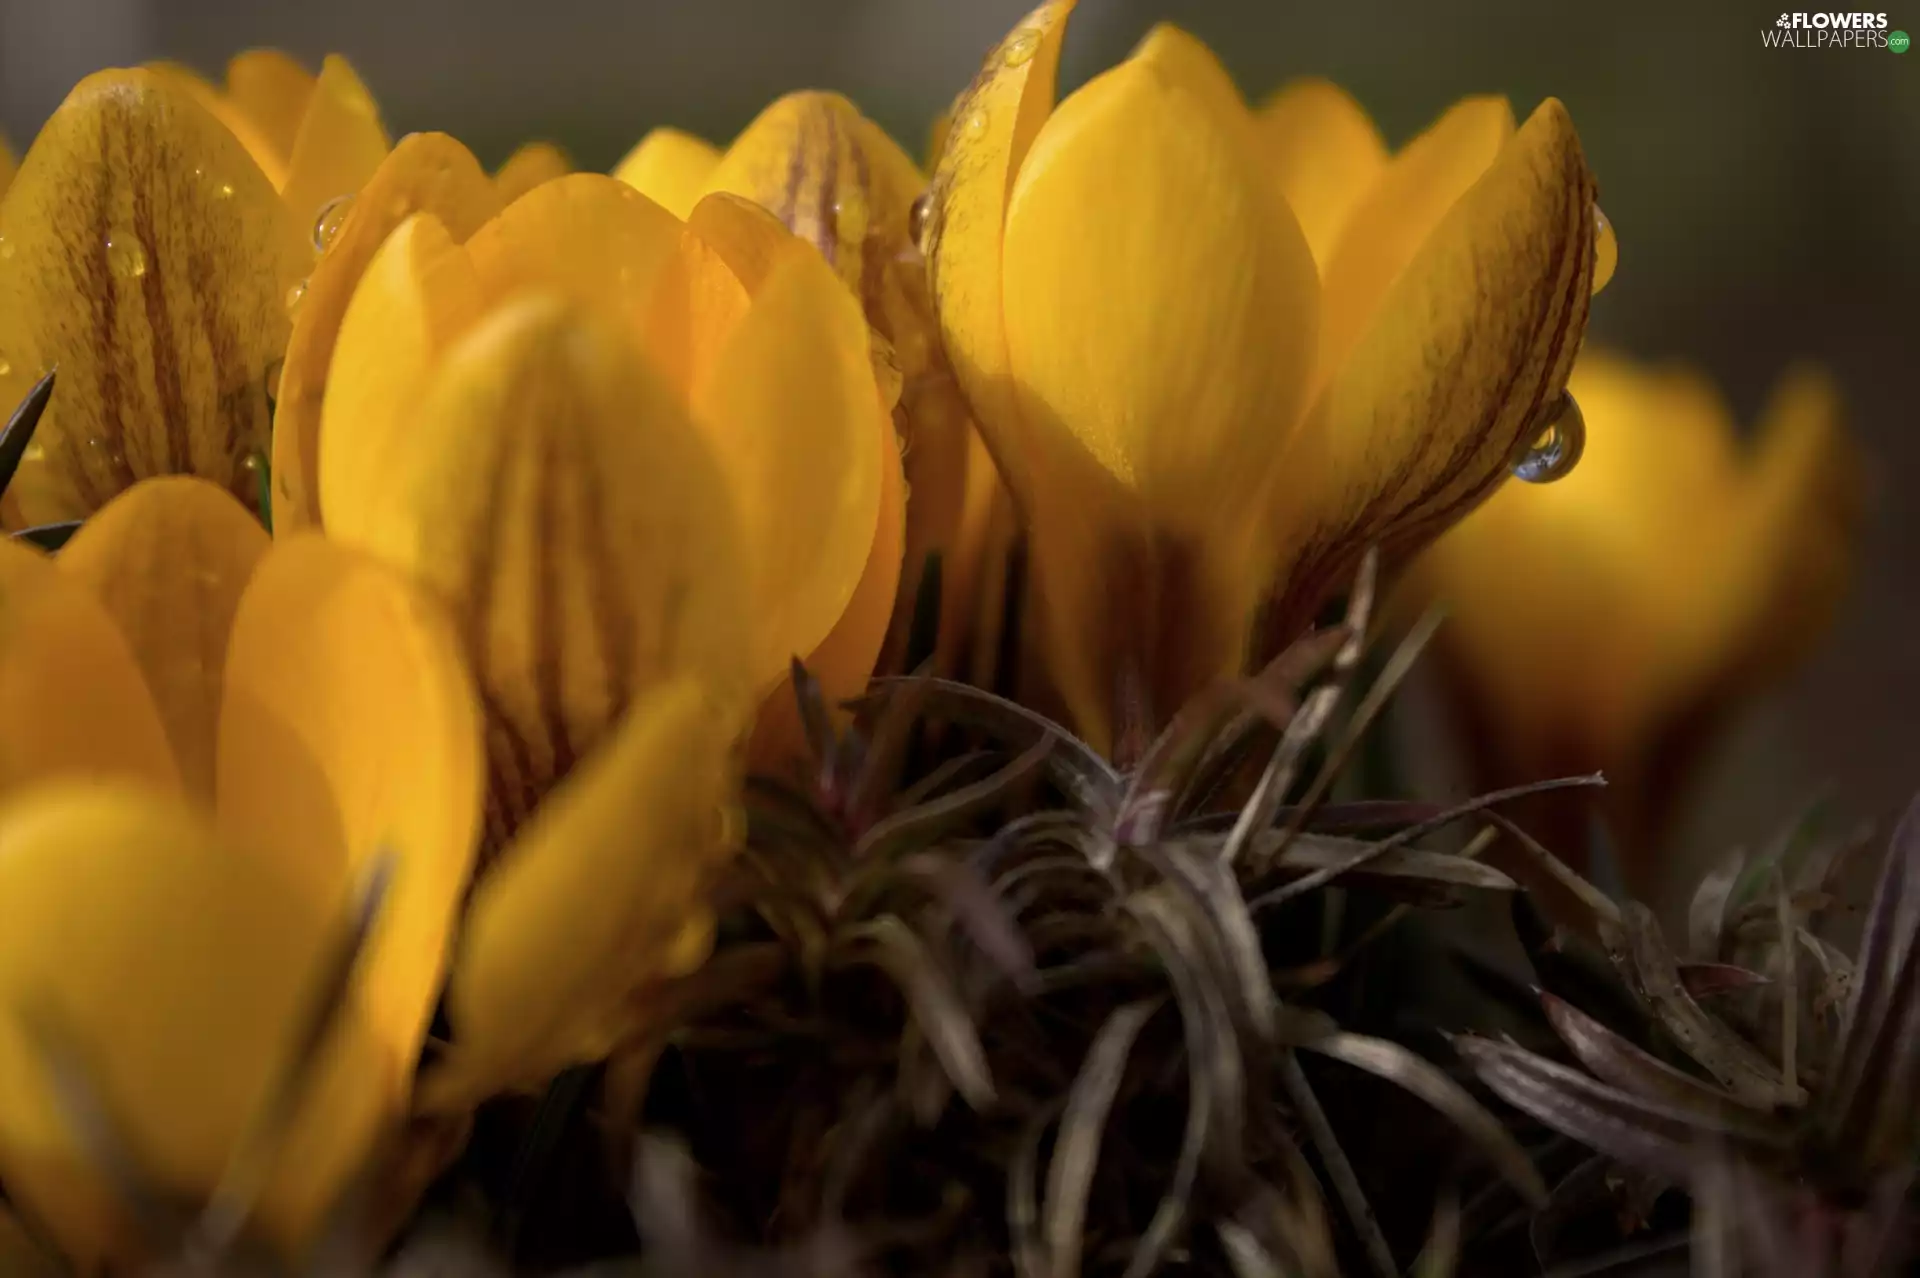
(149, 246)
(1196, 424)
(528, 167)
(837, 181)
(1602, 621)
(199, 731)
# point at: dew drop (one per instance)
(223, 191)
(918, 216)
(1606, 249)
(1020, 48)
(975, 124)
(1554, 450)
(327, 224)
(295, 296)
(126, 255)
(34, 453)
(6, 249)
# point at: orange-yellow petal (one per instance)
(552, 492)
(528, 167)
(427, 172)
(671, 168)
(1387, 226)
(271, 159)
(179, 970)
(273, 92)
(169, 558)
(603, 892)
(1325, 153)
(789, 407)
(72, 700)
(350, 731)
(340, 144)
(416, 297)
(149, 260)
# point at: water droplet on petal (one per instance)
(295, 296)
(223, 191)
(126, 255)
(34, 453)
(1606, 249)
(1554, 450)
(918, 215)
(975, 125)
(327, 223)
(6, 249)
(1020, 48)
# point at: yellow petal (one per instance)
(180, 970)
(995, 122)
(528, 167)
(350, 731)
(271, 158)
(415, 298)
(844, 662)
(789, 407)
(671, 168)
(427, 172)
(150, 261)
(602, 892)
(1325, 152)
(554, 494)
(71, 696)
(1606, 250)
(1387, 226)
(273, 92)
(169, 558)
(1465, 359)
(340, 144)
(598, 241)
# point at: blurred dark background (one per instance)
(1766, 199)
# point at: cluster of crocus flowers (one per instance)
(1216, 357)
(1608, 622)
(150, 246)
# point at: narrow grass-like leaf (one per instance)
(1076, 1149)
(892, 946)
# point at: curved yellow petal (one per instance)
(528, 167)
(844, 662)
(789, 407)
(995, 122)
(598, 241)
(1325, 152)
(150, 261)
(552, 491)
(1606, 250)
(670, 168)
(416, 297)
(169, 558)
(271, 159)
(1464, 360)
(601, 893)
(178, 970)
(350, 731)
(273, 92)
(340, 144)
(703, 292)
(1388, 225)
(71, 697)
(427, 172)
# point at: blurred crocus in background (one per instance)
(1615, 620)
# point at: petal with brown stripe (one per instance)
(601, 894)
(169, 558)
(150, 261)
(1464, 357)
(552, 491)
(427, 172)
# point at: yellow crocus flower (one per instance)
(201, 732)
(725, 329)
(149, 246)
(1601, 622)
(836, 180)
(1185, 411)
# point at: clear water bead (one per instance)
(1553, 451)
(126, 255)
